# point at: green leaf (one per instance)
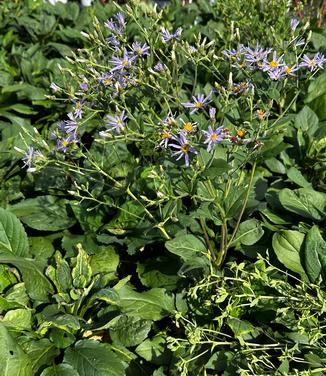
(295, 175)
(287, 245)
(316, 88)
(89, 357)
(40, 352)
(275, 165)
(249, 232)
(44, 213)
(149, 305)
(106, 260)
(190, 248)
(154, 350)
(7, 278)
(37, 285)
(305, 202)
(129, 331)
(82, 272)
(307, 120)
(13, 238)
(20, 319)
(13, 360)
(314, 254)
(60, 370)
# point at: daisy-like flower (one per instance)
(55, 87)
(276, 74)
(140, 50)
(169, 119)
(234, 54)
(188, 126)
(122, 64)
(167, 36)
(107, 79)
(183, 149)
(256, 56)
(159, 67)
(78, 112)
(118, 26)
(28, 157)
(83, 86)
(116, 123)
(165, 137)
(213, 136)
(312, 64)
(294, 24)
(198, 103)
(289, 71)
(275, 63)
(69, 126)
(63, 144)
(112, 39)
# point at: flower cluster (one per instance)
(66, 134)
(270, 62)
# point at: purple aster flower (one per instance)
(198, 103)
(120, 17)
(289, 71)
(294, 24)
(71, 125)
(188, 126)
(276, 74)
(256, 56)
(107, 79)
(183, 148)
(55, 87)
(116, 123)
(212, 112)
(112, 39)
(275, 63)
(63, 144)
(121, 64)
(28, 157)
(159, 67)
(140, 50)
(167, 36)
(116, 27)
(212, 137)
(83, 86)
(78, 112)
(165, 137)
(169, 119)
(312, 64)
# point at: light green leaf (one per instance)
(106, 260)
(20, 319)
(249, 232)
(149, 305)
(305, 202)
(44, 213)
(13, 360)
(295, 175)
(153, 349)
(13, 238)
(60, 370)
(287, 245)
(37, 285)
(307, 120)
(314, 254)
(129, 331)
(91, 358)
(82, 272)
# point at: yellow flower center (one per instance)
(165, 135)
(312, 63)
(65, 143)
(214, 136)
(273, 64)
(199, 105)
(241, 133)
(108, 81)
(288, 70)
(188, 127)
(124, 62)
(185, 148)
(78, 105)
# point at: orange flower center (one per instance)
(165, 135)
(241, 133)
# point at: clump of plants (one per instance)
(181, 160)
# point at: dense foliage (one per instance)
(167, 216)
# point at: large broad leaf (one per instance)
(149, 305)
(287, 245)
(60, 370)
(316, 88)
(82, 273)
(154, 350)
(307, 120)
(249, 232)
(45, 213)
(190, 248)
(40, 352)
(314, 254)
(20, 319)
(106, 260)
(13, 238)
(37, 285)
(305, 202)
(129, 331)
(13, 360)
(91, 358)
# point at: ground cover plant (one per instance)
(171, 222)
